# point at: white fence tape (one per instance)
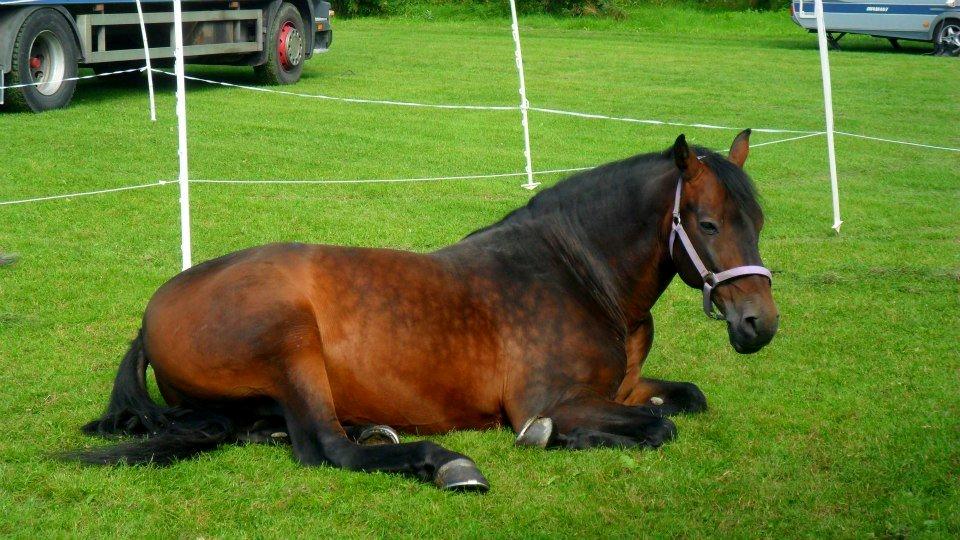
(778, 141)
(341, 182)
(348, 100)
(894, 141)
(654, 122)
(648, 121)
(408, 180)
(394, 180)
(79, 78)
(362, 181)
(82, 193)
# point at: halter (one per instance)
(710, 280)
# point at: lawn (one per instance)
(848, 424)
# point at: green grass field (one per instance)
(847, 425)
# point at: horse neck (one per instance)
(616, 253)
(637, 255)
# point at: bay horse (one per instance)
(540, 322)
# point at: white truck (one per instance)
(43, 43)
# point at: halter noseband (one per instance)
(710, 280)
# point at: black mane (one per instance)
(615, 181)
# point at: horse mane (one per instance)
(606, 198)
(735, 181)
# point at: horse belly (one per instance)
(434, 398)
(410, 348)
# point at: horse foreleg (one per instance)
(668, 396)
(318, 437)
(590, 422)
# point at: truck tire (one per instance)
(286, 48)
(947, 38)
(44, 52)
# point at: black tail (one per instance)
(166, 433)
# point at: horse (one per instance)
(540, 322)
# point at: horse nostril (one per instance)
(751, 323)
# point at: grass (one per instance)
(847, 425)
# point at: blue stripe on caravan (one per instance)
(876, 9)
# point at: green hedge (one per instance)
(614, 8)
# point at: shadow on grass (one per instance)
(860, 45)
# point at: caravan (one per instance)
(920, 20)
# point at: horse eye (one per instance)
(708, 227)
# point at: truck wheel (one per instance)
(44, 54)
(286, 48)
(947, 38)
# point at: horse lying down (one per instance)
(540, 321)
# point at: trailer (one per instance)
(920, 20)
(43, 43)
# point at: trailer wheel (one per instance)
(947, 38)
(286, 48)
(44, 54)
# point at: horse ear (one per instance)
(740, 148)
(685, 158)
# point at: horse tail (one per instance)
(166, 434)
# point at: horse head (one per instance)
(714, 241)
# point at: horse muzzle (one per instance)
(751, 326)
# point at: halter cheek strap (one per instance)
(711, 280)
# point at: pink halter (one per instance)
(710, 280)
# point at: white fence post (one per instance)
(146, 54)
(184, 176)
(524, 104)
(828, 111)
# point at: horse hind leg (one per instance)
(372, 434)
(318, 438)
(272, 429)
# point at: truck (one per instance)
(43, 43)
(936, 21)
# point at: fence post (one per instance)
(146, 54)
(828, 111)
(524, 104)
(184, 176)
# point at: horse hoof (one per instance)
(536, 432)
(461, 474)
(377, 435)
